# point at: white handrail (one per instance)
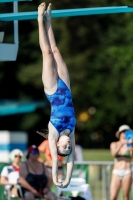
(99, 178)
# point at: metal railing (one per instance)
(100, 173)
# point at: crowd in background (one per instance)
(30, 176)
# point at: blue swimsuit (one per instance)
(62, 111)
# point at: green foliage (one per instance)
(98, 52)
(97, 155)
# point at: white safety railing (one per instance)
(100, 173)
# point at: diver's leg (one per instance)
(59, 62)
(49, 73)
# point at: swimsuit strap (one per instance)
(43, 168)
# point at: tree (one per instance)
(98, 53)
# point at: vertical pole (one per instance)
(103, 183)
(108, 180)
(9, 197)
(15, 9)
(97, 185)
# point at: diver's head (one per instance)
(64, 146)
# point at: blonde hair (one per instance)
(15, 152)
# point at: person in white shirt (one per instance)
(10, 174)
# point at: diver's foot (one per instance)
(48, 13)
(41, 10)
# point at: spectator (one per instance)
(122, 173)
(33, 177)
(44, 148)
(10, 174)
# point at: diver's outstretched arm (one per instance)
(53, 150)
(70, 163)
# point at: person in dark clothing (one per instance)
(34, 177)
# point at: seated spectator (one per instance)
(44, 148)
(10, 174)
(33, 177)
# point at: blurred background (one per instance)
(98, 51)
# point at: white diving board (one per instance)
(67, 13)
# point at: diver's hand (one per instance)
(57, 183)
(64, 184)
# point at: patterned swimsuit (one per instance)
(62, 110)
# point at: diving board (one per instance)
(67, 13)
(19, 107)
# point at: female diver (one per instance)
(56, 83)
(122, 172)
